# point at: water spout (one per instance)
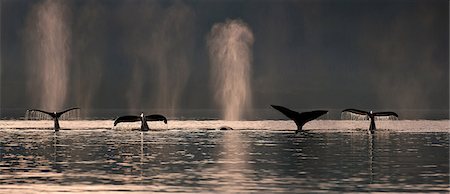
(49, 40)
(230, 52)
(159, 51)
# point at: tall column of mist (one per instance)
(171, 51)
(1, 60)
(159, 51)
(89, 54)
(230, 52)
(48, 48)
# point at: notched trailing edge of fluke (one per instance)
(142, 118)
(54, 115)
(300, 119)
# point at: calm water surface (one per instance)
(207, 161)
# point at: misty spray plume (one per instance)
(89, 53)
(230, 53)
(48, 37)
(159, 48)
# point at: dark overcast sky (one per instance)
(313, 54)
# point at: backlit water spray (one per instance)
(48, 45)
(160, 47)
(230, 52)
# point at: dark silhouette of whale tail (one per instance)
(371, 116)
(55, 115)
(156, 117)
(300, 119)
(142, 118)
(128, 118)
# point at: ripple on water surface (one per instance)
(195, 160)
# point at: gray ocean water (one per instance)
(258, 156)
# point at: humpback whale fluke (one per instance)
(54, 115)
(300, 118)
(371, 116)
(142, 118)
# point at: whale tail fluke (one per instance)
(128, 118)
(54, 115)
(371, 115)
(58, 114)
(305, 117)
(385, 114)
(142, 118)
(300, 119)
(356, 111)
(375, 114)
(156, 117)
(287, 112)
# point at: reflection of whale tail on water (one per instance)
(371, 116)
(55, 115)
(300, 118)
(142, 118)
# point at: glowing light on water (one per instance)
(230, 52)
(319, 126)
(104, 161)
(233, 151)
(49, 37)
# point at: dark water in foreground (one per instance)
(222, 161)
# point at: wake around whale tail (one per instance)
(55, 115)
(300, 119)
(142, 118)
(371, 116)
